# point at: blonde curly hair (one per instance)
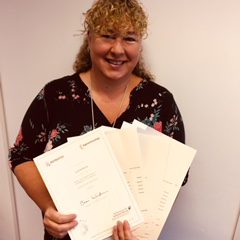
(116, 15)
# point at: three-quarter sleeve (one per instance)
(173, 123)
(33, 133)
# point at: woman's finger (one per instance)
(120, 230)
(58, 224)
(127, 231)
(115, 233)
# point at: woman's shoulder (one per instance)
(68, 83)
(69, 87)
(63, 81)
(151, 87)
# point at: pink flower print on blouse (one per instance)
(158, 126)
(75, 96)
(49, 146)
(174, 121)
(19, 138)
(53, 135)
(61, 96)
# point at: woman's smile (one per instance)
(115, 62)
(114, 56)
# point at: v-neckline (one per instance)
(96, 108)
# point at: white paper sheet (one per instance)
(84, 177)
(125, 145)
(166, 162)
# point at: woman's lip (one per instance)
(115, 62)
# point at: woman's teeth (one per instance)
(115, 62)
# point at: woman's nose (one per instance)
(117, 46)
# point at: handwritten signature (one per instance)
(94, 196)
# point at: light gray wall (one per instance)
(192, 48)
(8, 215)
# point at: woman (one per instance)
(110, 85)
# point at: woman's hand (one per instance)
(58, 224)
(122, 231)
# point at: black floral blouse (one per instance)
(62, 109)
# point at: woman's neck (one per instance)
(109, 86)
(105, 85)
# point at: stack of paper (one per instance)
(165, 164)
(110, 175)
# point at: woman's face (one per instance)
(114, 56)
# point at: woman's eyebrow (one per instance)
(132, 33)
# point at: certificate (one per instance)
(84, 177)
(166, 162)
(125, 144)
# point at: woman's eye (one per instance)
(107, 36)
(130, 39)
